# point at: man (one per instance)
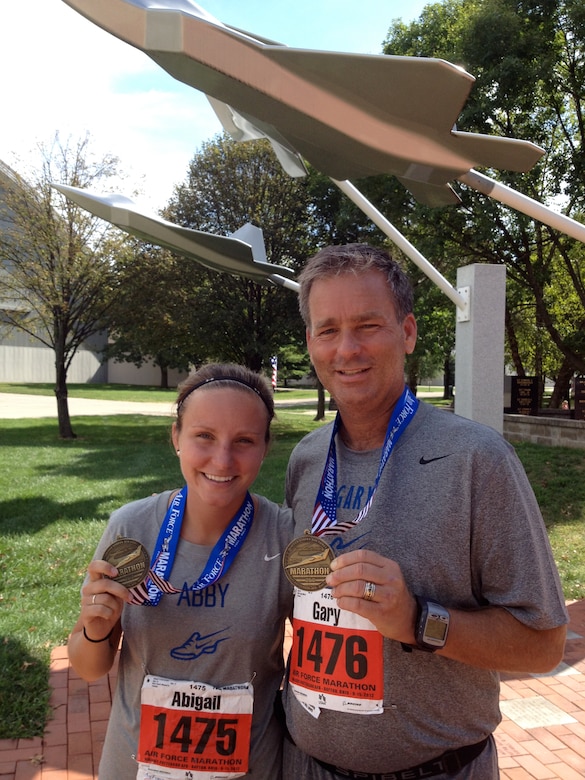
(443, 572)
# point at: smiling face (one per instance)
(356, 342)
(221, 443)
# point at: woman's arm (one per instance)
(94, 639)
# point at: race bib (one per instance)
(336, 660)
(193, 730)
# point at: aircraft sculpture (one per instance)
(349, 115)
(242, 253)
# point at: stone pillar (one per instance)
(479, 345)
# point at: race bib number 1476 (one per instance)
(336, 660)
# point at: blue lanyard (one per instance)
(324, 519)
(220, 558)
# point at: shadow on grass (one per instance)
(557, 476)
(32, 514)
(22, 715)
(93, 431)
(121, 459)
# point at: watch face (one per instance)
(435, 629)
(432, 625)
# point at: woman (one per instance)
(201, 659)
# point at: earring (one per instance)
(178, 452)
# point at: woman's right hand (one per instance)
(102, 600)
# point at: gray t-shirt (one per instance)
(230, 632)
(455, 510)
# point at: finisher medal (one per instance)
(307, 562)
(131, 560)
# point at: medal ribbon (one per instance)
(219, 561)
(324, 519)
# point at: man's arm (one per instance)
(493, 638)
(488, 638)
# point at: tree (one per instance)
(151, 318)
(58, 275)
(528, 57)
(227, 185)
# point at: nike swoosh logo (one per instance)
(424, 461)
(270, 557)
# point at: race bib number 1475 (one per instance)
(190, 729)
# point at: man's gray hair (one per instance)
(356, 259)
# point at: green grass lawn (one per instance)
(56, 496)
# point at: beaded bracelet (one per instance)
(96, 641)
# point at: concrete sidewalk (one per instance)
(15, 406)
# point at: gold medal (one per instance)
(307, 562)
(131, 560)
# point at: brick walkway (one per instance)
(541, 737)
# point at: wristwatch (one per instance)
(432, 625)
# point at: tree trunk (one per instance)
(560, 391)
(412, 374)
(164, 377)
(448, 377)
(61, 393)
(538, 360)
(320, 401)
(513, 345)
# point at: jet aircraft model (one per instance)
(349, 115)
(242, 253)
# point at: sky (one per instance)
(61, 73)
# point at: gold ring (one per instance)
(369, 591)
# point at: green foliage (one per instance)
(227, 186)
(528, 57)
(152, 317)
(293, 363)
